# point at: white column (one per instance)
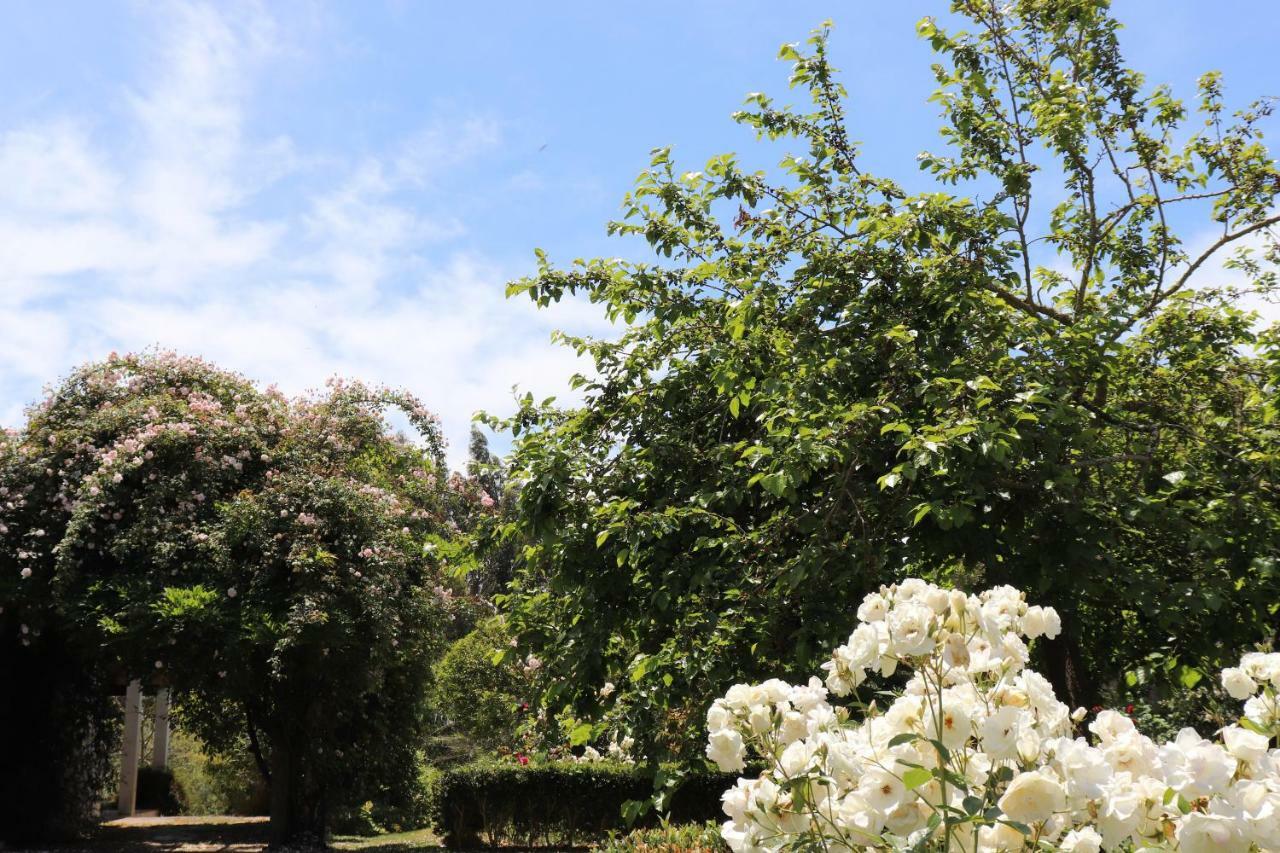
(160, 741)
(127, 797)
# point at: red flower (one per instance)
(523, 759)
(1128, 709)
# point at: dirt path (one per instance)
(176, 835)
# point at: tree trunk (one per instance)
(1064, 666)
(298, 815)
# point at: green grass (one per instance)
(397, 842)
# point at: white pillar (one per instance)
(160, 741)
(127, 797)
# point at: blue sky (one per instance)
(301, 189)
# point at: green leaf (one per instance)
(580, 734)
(1246, 723)
(915, 777)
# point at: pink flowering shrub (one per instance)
(263, 555)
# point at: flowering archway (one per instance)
(265, 552)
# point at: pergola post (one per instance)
(160, 740)
(127, 795)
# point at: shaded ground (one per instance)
(220, 835)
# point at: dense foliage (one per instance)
(976, 752)
(63, 730)
(557, 803)
(261, 556)
(478, 702)
(830, 379)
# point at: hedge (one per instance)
(491, 804)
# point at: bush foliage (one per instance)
(668, 838)
(564, 803)
(476, 701)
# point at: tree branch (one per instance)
(1208, 253)
(1027, 305)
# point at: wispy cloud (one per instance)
(156, 237)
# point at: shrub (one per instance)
(226, 782)
(413, 807)
(488, 803)
(975, 752)
(158, 790)
(476, 702)
(669, 838)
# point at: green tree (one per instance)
(477, 701)
(828, 379)
(261, 555)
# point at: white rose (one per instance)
(955, 724)
(1000, 732)
(1238, 683)
(938, 599)
(857, 819)
(873, 608)
(883, 790)
(1203, 833)
(1084, 768)
(760, 719)
(796, 758)
(1194, 767)
(1245, 745)
(1132, 752)
(719, 717)
(1032, 797)
(726, 749)
(909, 629)
(738, 697)
(807, 696)
(794, 726)
(1033, 623)
(1052, 623)
(864, 647)
(1000, 837)
(1109, 725)
(736, 800)
(1083, 840)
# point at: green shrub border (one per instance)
(563, 804)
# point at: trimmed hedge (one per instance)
(491, 804)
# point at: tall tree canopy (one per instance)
(262, 556)
(829, 379)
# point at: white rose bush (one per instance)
(976, 753)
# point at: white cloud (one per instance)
(157, 241)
